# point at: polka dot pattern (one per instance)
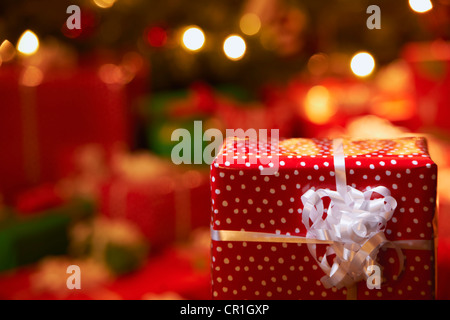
(244, 199)
(252, 270)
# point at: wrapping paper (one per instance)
(245, 200)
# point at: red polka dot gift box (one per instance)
(323, 219)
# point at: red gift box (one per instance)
(43, 124)
(166, 203)
(263, 247)
(430, 63)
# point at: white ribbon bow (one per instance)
(354, 223)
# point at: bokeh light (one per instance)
(193, 38)
(319, 107)
(362, 64)
(7, 51)
(28, 43)
(104, 4)
(250, 24)
(420, 6)
(31, 76)
(111, 74)
(234, 47)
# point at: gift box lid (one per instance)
(244, 198)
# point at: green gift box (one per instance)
(24, 240)
(167, 111)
